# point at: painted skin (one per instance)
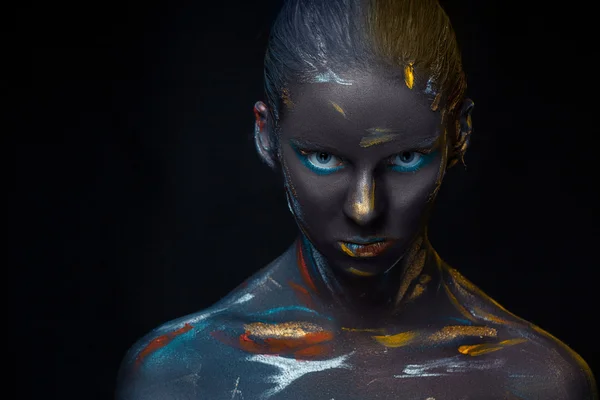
(324, 323)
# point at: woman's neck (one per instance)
(380, 295)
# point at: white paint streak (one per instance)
(330, 76)
(235, 389)
(275, 282)
(291, 369)
(448, 366)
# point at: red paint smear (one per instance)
(259, 120)
(303, 268)
(303, 294)
(161, 342)
(312, 352)
(275, 346)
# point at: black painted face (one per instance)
(361, 163)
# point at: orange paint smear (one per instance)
(312, 352)
(303, 268)
(282, 346)
(303, 294)
(161, 342)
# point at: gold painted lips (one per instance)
(365, 250)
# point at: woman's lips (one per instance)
(364, 250)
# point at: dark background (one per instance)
(138, 196)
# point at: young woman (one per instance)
(365, 112)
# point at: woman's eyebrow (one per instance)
(384, 135)
(310, 145)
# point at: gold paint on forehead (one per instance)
(409, 75)
(479, 349)
(449, 333)
(373, 140)
(397, 340)
(283, 330)
(339, 109)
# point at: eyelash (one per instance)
(303, 154)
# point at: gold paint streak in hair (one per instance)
(449, 333)
(339, 109)
(436, 102)
(284, 330)
(409, 75)
(397, 340)
(424, 279)
(479, 349)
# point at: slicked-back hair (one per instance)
(318, 40)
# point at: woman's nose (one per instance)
(361, 204)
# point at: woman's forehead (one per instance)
(373, 107)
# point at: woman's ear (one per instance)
(263, 140)
(465, 126)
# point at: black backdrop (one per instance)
(138, 197)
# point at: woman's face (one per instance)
(361, 162)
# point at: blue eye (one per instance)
(319, 162)
(323, 160)
(408, 161)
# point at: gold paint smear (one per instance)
(409, 75)
(436, 102)
(479, 349)
(367, 200)
(417, 291)
(284, 330)
(286, 98)
(465, 313)
(397, 340)
(369, 141)
(449, 333)
(354, 270)
(413, 270)
(338, 108)
(346, 250)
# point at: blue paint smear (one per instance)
(284, 309)
(461, 320)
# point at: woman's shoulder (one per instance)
(184, 352)
(540, 361)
